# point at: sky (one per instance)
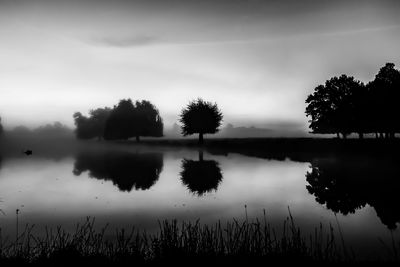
(257, 59)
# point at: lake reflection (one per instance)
(201, 176)
(139, 186)
(346, 185)
(126, 170)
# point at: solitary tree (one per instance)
(334, 107)
(200, 117)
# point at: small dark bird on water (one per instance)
(28, 152)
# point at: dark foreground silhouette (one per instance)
(126, 170)
(184, 244)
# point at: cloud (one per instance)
(129, 41)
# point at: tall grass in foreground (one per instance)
(177, 243)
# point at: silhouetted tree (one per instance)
(149, 120)
(336, 108)
(201, 176)
(125, 170)
(200, 117)
(1, 128)
(384, 93)
(133, 120)
(92, 126)
(347, 184)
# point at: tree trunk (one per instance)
(344, 135)
(361, 135)
(201, 140)
(376, 135)
(138, 138)
(381, 135)
(338, 135)
(200, 155)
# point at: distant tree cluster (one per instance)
(125, 120)
(54, 130)
(344, 105)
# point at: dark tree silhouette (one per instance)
(347, 184)
(336, 108)
(133, 120)
(201, 176)
(200, 117)
(384, 93)
(125, 170)
(149, 120)
(92, 126)
(1, 128)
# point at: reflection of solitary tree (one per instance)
(201, 176)
(125, 170)
(345, 185)
(200, 117)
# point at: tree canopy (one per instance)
(345, 105)
(92, 126)
(332, 107)
(200, 117)
(384, 94)
(125, 120)
(129, 119)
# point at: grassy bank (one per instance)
(186, 243)
(298, 149)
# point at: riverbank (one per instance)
(299, 149)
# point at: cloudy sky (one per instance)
(258, 59)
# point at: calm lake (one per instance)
(129, 185)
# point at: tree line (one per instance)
(341, 106)
(138, 119)
(344, 105)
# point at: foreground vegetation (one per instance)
(186, 243)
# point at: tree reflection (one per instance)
(202, 176)
(125, 170)
(347, 184)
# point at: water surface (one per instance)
(139, 186)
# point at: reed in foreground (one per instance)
(179, 244)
